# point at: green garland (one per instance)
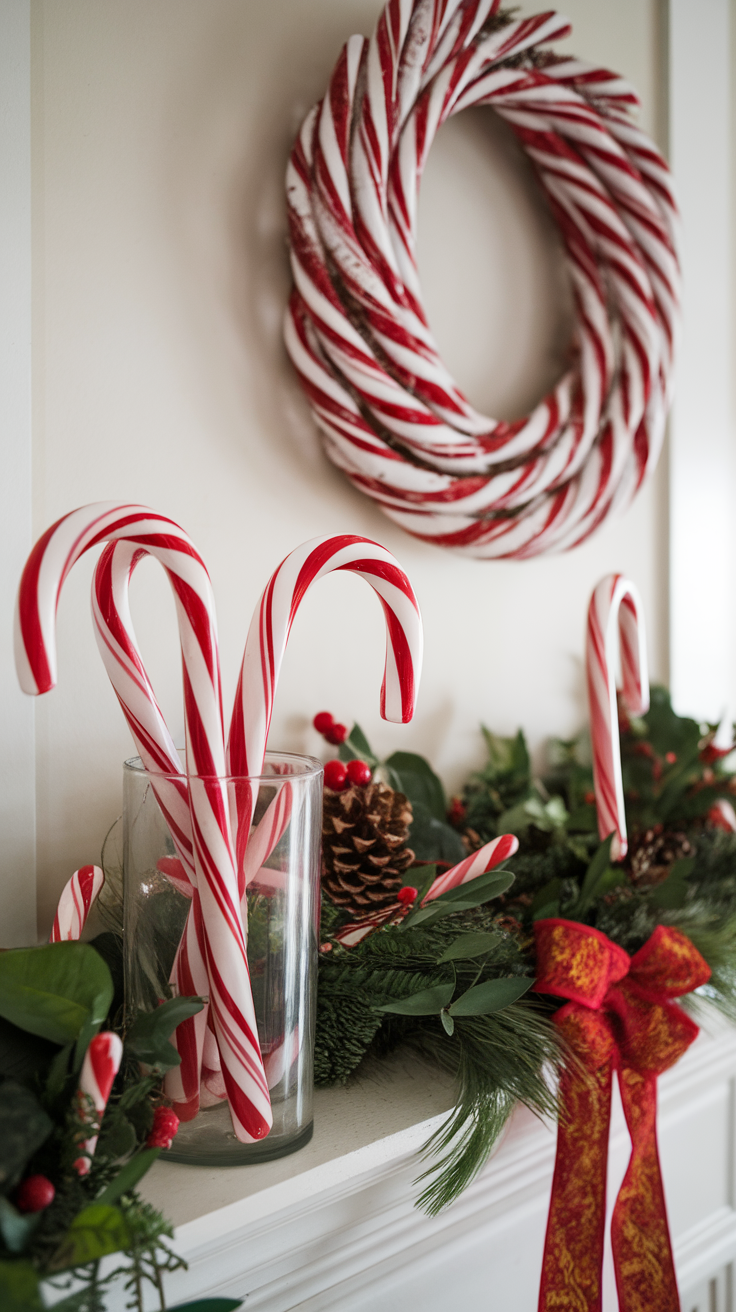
(436, 982)
(53, 1000)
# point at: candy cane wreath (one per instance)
(391, 415)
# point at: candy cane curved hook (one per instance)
(223, 939)
(275, 614)
(615, 621)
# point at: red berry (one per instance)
(336, 734)
(323, 721)
(670, 757)
(164, 1128)
(359, 772)
(34, 1194)
(589, 798)
(407, 895)
(335, 776)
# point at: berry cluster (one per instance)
(338, 775)
(164, 1128)
(326, 724)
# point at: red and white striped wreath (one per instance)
(390, 413)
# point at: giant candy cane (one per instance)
(392, 417)
(615, 624)
(220, 927)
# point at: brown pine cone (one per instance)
(364, 852)
(654, 852)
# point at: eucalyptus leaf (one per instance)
(448, 1023)
(546, 903)
(148, 1037)
(19, 1288)
(468, 946)
(128, 1177)
(25, 1127)
(428, 1002)
(477, 891)
(96, 1231)
(209, 1305)
(418, 781)
(492, 995)
(55, 990)
(16, 1227)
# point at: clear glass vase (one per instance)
(282, 865)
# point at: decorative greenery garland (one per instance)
(407, 984)
(56, 1224)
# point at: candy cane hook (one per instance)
(615, 620)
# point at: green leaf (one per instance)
(22, 1055)
(671, 894)
(431, 839)
(357, 747)
(448, 1023)
(16, 1228)
(97, 1230)
(492, 995)
(148, 1036)
(419, 782)
(478, 890)
(593, 876)
(209, 1305)
(468, 946)
(118, 1138)
(546, 902)
(25, 1126)
(19, 1291)
(507, 756)
(55, 990)
(428, 1002)
(128, 1177)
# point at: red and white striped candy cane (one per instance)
(99, 1068)
(269, 633)
(615, 627)
(75, 903)
(478, 863)
(392, 417)
(219, 929)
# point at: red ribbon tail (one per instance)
(640, 1237)
(573, 1247)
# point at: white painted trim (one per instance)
(17, 749)
(702, 456)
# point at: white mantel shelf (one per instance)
(334, 1225)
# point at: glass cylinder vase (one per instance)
(281, 871)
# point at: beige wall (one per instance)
(161, 130)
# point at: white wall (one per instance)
(160, 134)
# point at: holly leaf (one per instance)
(468, 946)
(356, 747)
(19, 1288)
(148, 1036)
(25, 1126)
(492, 995)
(56, 990)
(428, 1002)
(96, 1231)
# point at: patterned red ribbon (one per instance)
(619, 1016)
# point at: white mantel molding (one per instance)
(335, 1226)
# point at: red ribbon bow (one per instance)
(620, 1016)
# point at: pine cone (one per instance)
(364, 852)
(652, 854)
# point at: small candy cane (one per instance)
(479, 863)
(615, 620)
(214, 930)
(99, 1068)
(75, 903)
